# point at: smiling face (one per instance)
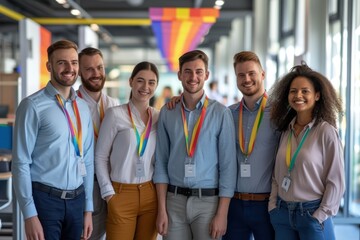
(249, 78)
(193, 74)
(92, 72)
(143, 85)
(302, 95)
(63, 66)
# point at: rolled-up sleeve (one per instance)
(227, 156)
(162, 151)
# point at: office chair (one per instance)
(5, 201)
(5, 182)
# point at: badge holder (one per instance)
(190, 170)
(245, 169)
(81, 167)
(286, 183)
(140, 169)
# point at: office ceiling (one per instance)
(124, 36)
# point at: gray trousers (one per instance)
(190, 217)
(99, 215)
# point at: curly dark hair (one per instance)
(326, 108)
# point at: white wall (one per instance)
(30, 57)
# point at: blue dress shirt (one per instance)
(43, 150)
(262, 158)
(215, 154)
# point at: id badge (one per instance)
(140, 170)
(245, 170)
(190, 170)
(286, 183)
(81, 167)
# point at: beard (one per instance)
(93, 87)
(61, 82)
(192, 90)
(254, 90)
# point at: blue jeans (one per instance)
(60, 219)
(247, 219)
(294, 220)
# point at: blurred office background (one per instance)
(323, 33)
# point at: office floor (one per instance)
(342, 232)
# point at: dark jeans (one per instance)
(60, 219)
(294, 221)
(247, 219)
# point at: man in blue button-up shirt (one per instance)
(195, 179)
(248, 212)
(53, 154)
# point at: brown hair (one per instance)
(193, 55)
(90, 51)
(326, 108)
(61, 44)
(245, 56)
(144, 66)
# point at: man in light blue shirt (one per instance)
(53, 154)
(195, 159)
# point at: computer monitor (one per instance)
(4, 110)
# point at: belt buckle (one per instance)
(63, 195)
(188, 192)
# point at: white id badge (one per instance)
(190, 170)
(286, 183)
(245, 170)
(81, 167)
(140, 170)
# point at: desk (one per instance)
(5, 175)
(7, 121)
(5, 157)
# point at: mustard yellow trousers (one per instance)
(132, 212)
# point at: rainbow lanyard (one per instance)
(291, 163)
(143, 140)
(196, 131)
(254, 129)
(75, 135)
(101, 112)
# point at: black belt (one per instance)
(193, 191)
(63, 194)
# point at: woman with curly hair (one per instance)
(308, 178)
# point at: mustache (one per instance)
(67, 72)
(96, 78)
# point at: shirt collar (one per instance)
(257, 104)
(87, 97)
(199, 105)
(310, 124)
(53, 91)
